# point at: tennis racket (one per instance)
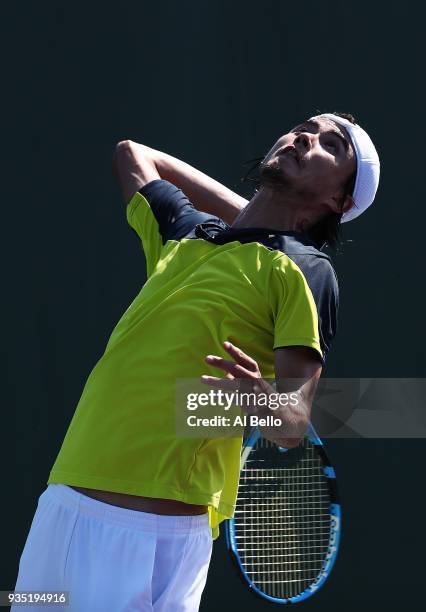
(285, 532)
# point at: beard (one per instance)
(273, 177)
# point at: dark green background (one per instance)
(214, 83)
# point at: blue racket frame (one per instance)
(335, 525)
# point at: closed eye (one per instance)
(331, 144)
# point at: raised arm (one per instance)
(136, 165)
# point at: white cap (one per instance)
(368, 166)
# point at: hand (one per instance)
(242, 374)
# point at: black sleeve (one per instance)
(325, 289)
(322, 280)
(175, 214)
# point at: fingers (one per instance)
(244, 385)
(226, 384)
(240, 357)
(228, 366)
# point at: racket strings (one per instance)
(282, 519)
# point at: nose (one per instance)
(305, 140)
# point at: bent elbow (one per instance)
(123, 145)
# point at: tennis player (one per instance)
(235, 290)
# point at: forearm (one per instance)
(207, 194)
(291, 415)
(289, 398)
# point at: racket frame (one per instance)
(335, 525)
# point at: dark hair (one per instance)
(328, 230)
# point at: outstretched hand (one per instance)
(242, 374)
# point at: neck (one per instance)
(272, 210)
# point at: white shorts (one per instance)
(111, 559)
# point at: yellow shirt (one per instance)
(122, 436)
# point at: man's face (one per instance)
(314, 160)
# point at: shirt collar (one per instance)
(219, 232)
